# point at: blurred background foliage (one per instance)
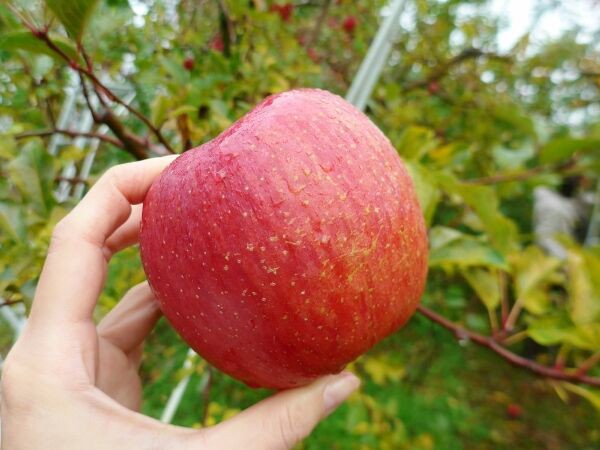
(479, 126)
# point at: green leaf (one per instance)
(175, 69)
(415, 142)
(583, 268)
(427, 191)
(11, 220)
(24, 40)
(550, 330)
(32, 172)
(562, 148)
(73, 14)
(586, 337)
(159, 109)
(592, 396)
(555, 330)
(183, 109)
(8, 146)
(484, 202)
(532, 271)
(486, 285)
(440, 236)
(514, 119)
(466, 252)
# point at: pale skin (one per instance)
(71, 384)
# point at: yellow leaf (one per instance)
(593, 396)
(381, 370)
(486, 285)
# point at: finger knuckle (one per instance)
(116, 173)
(12, 392)
(113, 173)
(61, 232)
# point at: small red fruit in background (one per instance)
(433, 87)
(217, 43)
(312, 54)
(514, 411)
(290, 244)
(188, 63)
(285, 11)
(349, 24)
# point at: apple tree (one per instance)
(479, 127)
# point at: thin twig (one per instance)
(514, 359)
(525, 174)
(514, 338)
(503, 286)
(70, 133)
(43, 36)
(586, 365)
(10, 302)
(89, 65)
(513, 315)
(442, 69)
(132, 142)
(227, 28)
(49, 112)
(314, 37)
(86, 95)
(72, 180)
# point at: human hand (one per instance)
(69, 384)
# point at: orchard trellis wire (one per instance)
(76, 116)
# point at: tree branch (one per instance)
(523, 175)
(70, 133)
(514, 359)
(44, 37)
(441, 70)
(131, 142)
(86, 95)
(314, 37)
(227, 28)
(586, 365)
(72, 180)
(10, 302)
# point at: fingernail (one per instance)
(338, 390)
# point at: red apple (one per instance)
(188, 63)
(433, 87)
(349, 24)
(514, 411)
(217, 43)
(312, 54)
(288, 245)
(285, 11)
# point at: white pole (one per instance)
(364, 82)
(177, 393)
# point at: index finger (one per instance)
(75, 268)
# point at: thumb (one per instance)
(281, 421)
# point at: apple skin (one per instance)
(290, 244)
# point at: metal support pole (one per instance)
(368, 74)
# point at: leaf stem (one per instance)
(586, 365)
(513, 315)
